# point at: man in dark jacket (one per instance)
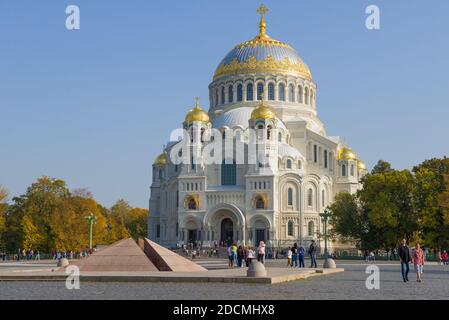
(404, 256)
(312, 254)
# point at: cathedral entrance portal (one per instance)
(192, 236)
(227, 231)
(260, 236)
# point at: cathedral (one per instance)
(262, 86)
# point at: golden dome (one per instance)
(197, 114)
(161, 160)
(361, 165)
(346, 153)
(263, 111)
(263, 54)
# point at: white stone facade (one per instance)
(247, 203)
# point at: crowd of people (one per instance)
(240, 256)
(28, 255)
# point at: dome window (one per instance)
(249, 92)
(231, 94)
(260, 91)
(239, 93)
(291, 94)
(300, 94)
(271, 92)
(281, 92)
(223, 95)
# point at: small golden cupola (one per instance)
(361, 165)
(346, 153)
(197, 114)
(161, 160)
(263, 111)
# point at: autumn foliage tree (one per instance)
(394, 204)
(49, 217)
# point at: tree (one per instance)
(381, 167)
(347, 221)
(137, 223)
(3, 209)
(433, 201)
(388, 200)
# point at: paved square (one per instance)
(347, 285)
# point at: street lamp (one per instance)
(91, 219)
(325, 216)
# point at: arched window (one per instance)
(239, 92)
(289, 164)
(290, 197)
(312, 96)
(271, 91)
(300, 94)
(343, 170)
(281, 92)
(291, 94)
(259, 91)
(249, 92)
(192, 204)
(290, 228)
(310, 197)
(260, 203)
(299, 165)
(228, 174)
(315, 153)
(352, 170)
(230, 94)
(280, 137)
(223, 95)
(307, 95)
(325, 159)
(323, 198)
(269, 128)
(310, 229)
(216, 97)
(161, 173)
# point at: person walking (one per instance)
(295, 256)
(404, 257)
(234, 254)
(251, 254)
(261, 252)
(418, 261)
(230, 257)
(289, 258)
(301, 253)
(240, 256)
(312, 254)
(444, 257)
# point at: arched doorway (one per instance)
(261, 232)
(227, 231)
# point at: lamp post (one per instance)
(91, 219)
(325, 216)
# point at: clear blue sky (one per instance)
(95, 106)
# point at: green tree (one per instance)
(3, 210)
(347, 222)
(432, 201)
(388, 200)
(381, 167)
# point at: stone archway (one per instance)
(227, 231)
(223, 220)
